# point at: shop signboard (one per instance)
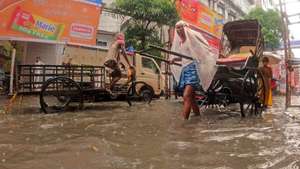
(69, 21)
(203, 19)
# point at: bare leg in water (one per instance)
(189, 102)
(113, 82)
(195, 106)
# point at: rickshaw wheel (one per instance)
(254, 93)
(57, 94)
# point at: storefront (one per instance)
(44, 28)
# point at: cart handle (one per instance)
(171, 52)
(158, 58)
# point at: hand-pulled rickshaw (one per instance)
(238, 78)
(62, 86)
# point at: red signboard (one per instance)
(202, 19)
(70, 21)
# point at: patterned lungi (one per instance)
(189, 76)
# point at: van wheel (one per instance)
(147, 95)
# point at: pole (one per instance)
(288, 55)
(12, 68)
(285, 55)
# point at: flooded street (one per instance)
(112, 135)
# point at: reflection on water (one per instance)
(115, 136)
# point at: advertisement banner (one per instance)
(203, 19)
(70, 21)
(195, 13)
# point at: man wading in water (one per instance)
(191, 43)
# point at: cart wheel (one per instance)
(57, 94)
(146, 93)
(202, 101)
(254, 90)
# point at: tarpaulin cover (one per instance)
(197, 47)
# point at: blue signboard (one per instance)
(92, 2)
(96, 2)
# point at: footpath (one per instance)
(3, 102)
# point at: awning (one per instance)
(2, 38)
(8, 38)
(273, 58)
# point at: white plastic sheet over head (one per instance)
(197, 47)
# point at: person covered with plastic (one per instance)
(195, 73)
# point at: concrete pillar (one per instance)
(12, 68)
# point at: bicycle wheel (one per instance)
(140, 91)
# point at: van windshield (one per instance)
(149, 64)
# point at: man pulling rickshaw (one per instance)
(202, 65)
(232, 78)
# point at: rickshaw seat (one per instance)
(234, 59)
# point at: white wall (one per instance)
(243, 4)
(50, 53)
(107, 22)
(108, 38)
(266, 4)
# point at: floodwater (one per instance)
(111, 135)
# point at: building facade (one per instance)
(230, 9)
(110, 24)
(265, 4)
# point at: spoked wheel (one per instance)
(254, 92)
(139, 91)
(58, 93)
(202, 101)
(223, 94)
(208, 99)
(224, 98)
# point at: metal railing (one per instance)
(30, 78)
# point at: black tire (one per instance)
(58, 93)
(254, 90)
(147, 95)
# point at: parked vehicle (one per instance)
(147, 69)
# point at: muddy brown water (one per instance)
(112, 135)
